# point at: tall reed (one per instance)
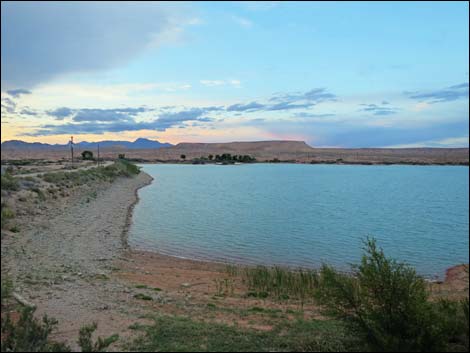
(283, 283)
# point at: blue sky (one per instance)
(355, 74)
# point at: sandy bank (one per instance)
(62, 260)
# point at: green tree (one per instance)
(87, 155)
(183, 156)
(211, 157)
(384, 302)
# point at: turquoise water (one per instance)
(304, 215)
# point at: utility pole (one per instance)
(98, 154)
(71, 148)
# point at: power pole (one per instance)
(98, 154)
(71, 148)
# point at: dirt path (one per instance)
(64, 263)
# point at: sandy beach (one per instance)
(62, 259)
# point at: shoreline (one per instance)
(315, 163)
(130, 209)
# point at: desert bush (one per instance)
(6, 214)
(452, 317)
(386, 304)
(86, 343)
(40, 193)
(55, 177)
(9, 182)
(6, 288)
(121, 167)
(142, 296)
(29, 334)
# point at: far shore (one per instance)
(262, 151)
(315, 163)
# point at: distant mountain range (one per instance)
(140, 143)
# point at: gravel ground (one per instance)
(62, 261)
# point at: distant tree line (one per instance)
(225, 158)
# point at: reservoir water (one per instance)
(305, 215)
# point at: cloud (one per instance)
(243, 22)
(258, 5)
(60, 113)
(375, 109)
(249, 107)
(18, 92)
(8, 105)
(167, 120)
(88, 128)
(88, 115)
(312, 115)
(26, 111)
(448, 94)
(212, 83)
(215, 83)
(288, 105)
(118, 114)
(99, 121)
(40, 41)
(287, 101)
(314, 96)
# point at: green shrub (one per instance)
(6, 288)
(6, 214)
(15, 229)
(9, 182)
(81, 177)
(385, 303)
(86, 343)
(29, 334)
(452, 317)
(40, 193)
(142, 296)
(55, 177)
(87, 155)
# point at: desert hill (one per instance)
(292, 151)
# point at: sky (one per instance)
(333, 74)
